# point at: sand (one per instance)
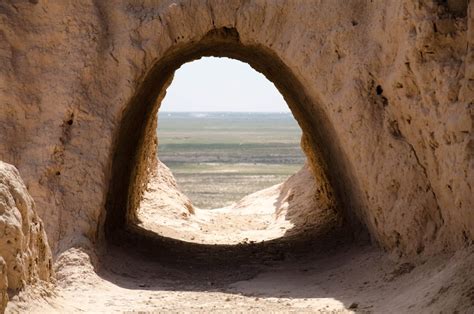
(342, 280)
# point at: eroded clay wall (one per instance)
(25, 255)
(393, 78)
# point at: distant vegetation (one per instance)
(217, 158)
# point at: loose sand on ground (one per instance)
(357, 278)
(326, 276)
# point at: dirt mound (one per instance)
(292, 208)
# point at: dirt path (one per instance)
(228, 225)
(207, 268)
(289, 208)
(350, 278)
(274, 251)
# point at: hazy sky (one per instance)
(221, 84)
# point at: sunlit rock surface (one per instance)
(25, 255)
(383, 91)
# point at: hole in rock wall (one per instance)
(227, 143)
(314, 203)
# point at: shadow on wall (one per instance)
(302, 203)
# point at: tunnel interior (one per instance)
(135, 149)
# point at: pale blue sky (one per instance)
(221, 84)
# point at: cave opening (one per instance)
(136, 146)
(227, 147)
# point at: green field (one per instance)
(217, 158)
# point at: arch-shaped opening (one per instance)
(134, 151)
(230, 166)
(225, 132)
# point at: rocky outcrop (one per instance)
(25, 256)
(3, 285)
(162, 197)
(290, 210)
(383, 91)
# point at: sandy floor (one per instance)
(284, 209)
(228, 225)
(213, 265)
(350, 278)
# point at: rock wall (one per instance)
(3, 285)
(383, 91)
(162, 194)
(25, 255)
